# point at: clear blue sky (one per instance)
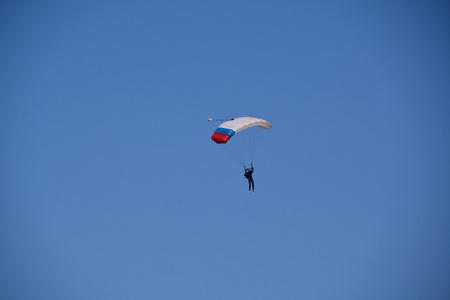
(112, 189)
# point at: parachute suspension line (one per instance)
(244, 145)
(253, 144)
(236, 147)
(234, 150)
(255, 139)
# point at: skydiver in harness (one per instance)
(248, 175)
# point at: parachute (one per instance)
(243, 136)
(229, 128)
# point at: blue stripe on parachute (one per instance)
(225, 131)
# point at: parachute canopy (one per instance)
(227, 129)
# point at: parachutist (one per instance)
(248, 175)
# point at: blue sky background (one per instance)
(112, 189)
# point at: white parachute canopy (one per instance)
(240, 124)
(243, 137)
